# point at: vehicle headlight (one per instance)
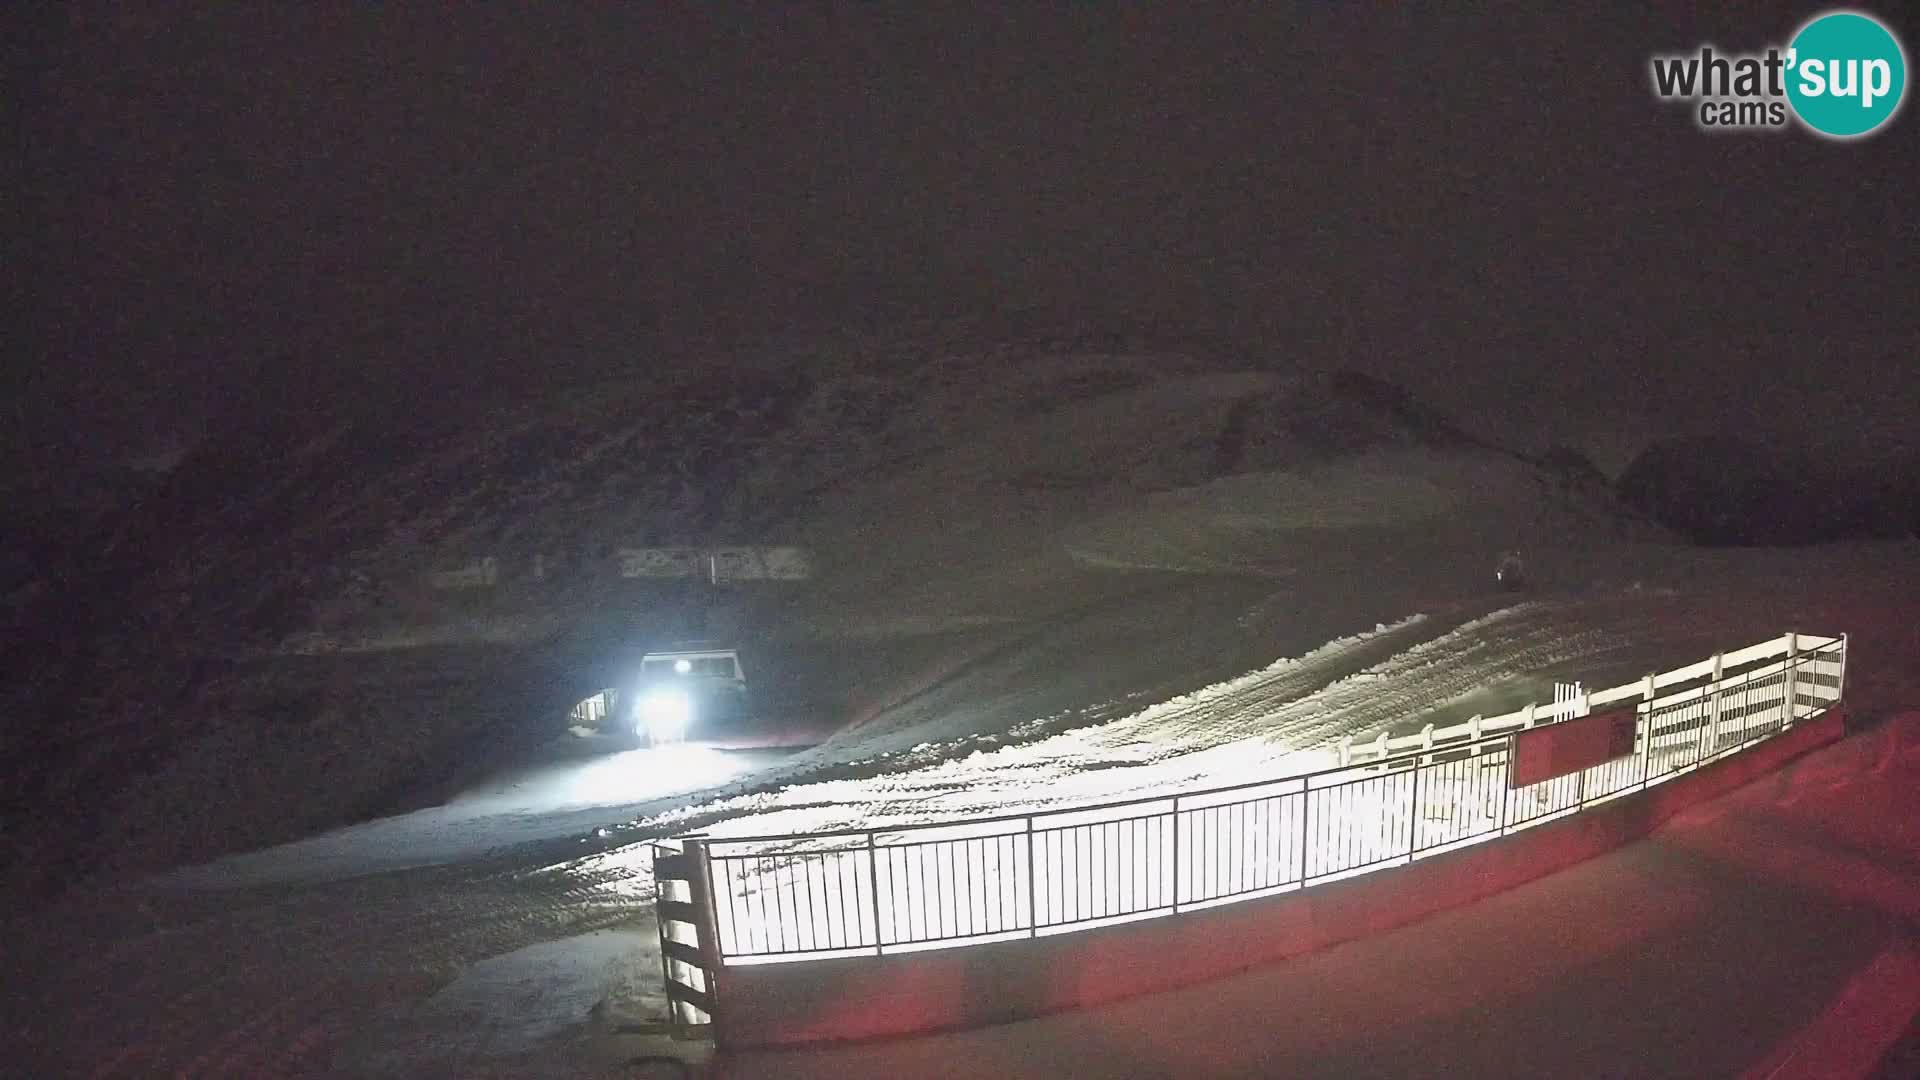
(663, 715)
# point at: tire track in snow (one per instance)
(1512, 642)
(1282, 680)
(1266, 724)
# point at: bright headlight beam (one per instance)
(663, 715)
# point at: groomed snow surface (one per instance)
(510, 931)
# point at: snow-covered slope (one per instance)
(518, 962)
(1002, 532)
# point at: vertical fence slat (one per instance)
(1786, 704)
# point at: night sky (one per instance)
(322, 204)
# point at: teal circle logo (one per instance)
(1846, 74)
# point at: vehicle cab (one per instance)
(687, 693)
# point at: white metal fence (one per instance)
(1392, 800)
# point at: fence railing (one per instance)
(1393, 800)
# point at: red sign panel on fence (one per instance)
(1560, 749)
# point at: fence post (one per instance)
(1526, 716)
(1033, 887)
(1306, 807)
(1176, 853)
(1346, 750)
(1413, 805)
(1506, 787)
(1646, 733)
(1713, 708)
(700, 894)
(1788, 709)
(1840, 692)
(1582, 706)
(873, 890)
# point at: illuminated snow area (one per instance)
(972, 881)
(1281, 720)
